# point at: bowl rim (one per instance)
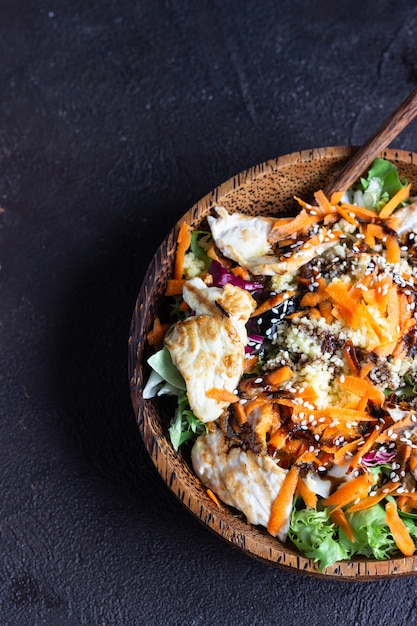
(253, 541)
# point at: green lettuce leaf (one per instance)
(200, 243)
(185, 426)
(379, 186)
(386, 172)
(314, 534)
(161, 363)
(372, 535)
(166, 379)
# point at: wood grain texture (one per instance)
(267, 188)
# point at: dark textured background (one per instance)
(115, 117)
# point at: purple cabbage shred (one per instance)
(254, 343)
(222, 276)
(378, 457)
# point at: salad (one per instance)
(290, 348)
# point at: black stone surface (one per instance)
(115, 117)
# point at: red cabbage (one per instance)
(222, 276)
(378, 457)
(257, 340)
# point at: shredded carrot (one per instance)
(294, 449)
(376, 497)
(393, 249)
(401, 195)
(282, 243)
(362, 387)
(303, 203)
(156, 336)
(381, 292)
(347, 216)
(249, 363)
(361, 212)
(413, 466)
(278, 439)
(240, 413)
(355, 313)
(336, 197)
(323, 202)
(362, 404)
(375, 230)
(404, 311)
(345, 414)
(272, 302)
(330, 412)
(346, 450)
(365, 369)
(369, 442)
(404, 504)
(306, 456)
(370, 298)
(301, 222)
(325, 308)
(183, 243)
(399, 530)
(255, 404)
(242, 272)
(395, 429)
(307, 393)
(213, 497)
(358, 289)
(279, 376)
(279, 510)
(174, 287)
(340, 519)
(407, 502)
(212, 254)
(349, 491)
(309, 497)
(267, 420)
(221, 395)
(314, 313)
(393, 309)
(312, 298)
(347, 306)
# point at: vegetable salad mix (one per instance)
(292, 352)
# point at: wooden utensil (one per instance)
(392, 127)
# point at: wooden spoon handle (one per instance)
(392, 127)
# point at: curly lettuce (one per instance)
(316, 536)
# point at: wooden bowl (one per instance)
(267, 189)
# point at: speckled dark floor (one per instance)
(115, 117)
